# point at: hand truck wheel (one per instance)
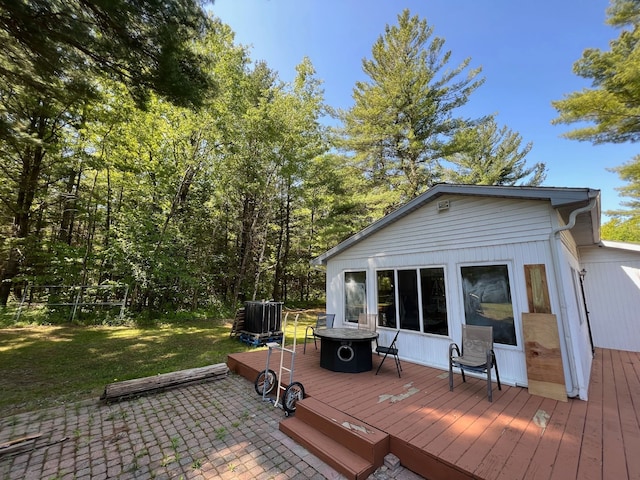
(265, 382)
(293, 393)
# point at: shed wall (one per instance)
(612, 288)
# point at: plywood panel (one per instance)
(537, 289)
(543, 356)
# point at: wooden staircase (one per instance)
(352, 448)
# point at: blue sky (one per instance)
(526, 51)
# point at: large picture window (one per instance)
(434, 301)
(487, 300)
(385, 280)
(355, 295)
(413, 299)
(408, 300)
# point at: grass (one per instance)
(43, 366)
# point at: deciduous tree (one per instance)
(56, 59)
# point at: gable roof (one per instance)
(564, 199)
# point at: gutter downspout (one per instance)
(555, 255)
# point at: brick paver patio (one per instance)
(221, 429)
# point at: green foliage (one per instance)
(610, 108)
(199, 210)
(486, 155)
(621, 230)
(54, 45)
(609, 112)
(404, 117)
(630, 173)
(625, 224)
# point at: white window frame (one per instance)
(514, 298)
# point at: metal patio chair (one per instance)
(477, 355)
(324, 320)
(392, 350)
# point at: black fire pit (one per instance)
(346, 349)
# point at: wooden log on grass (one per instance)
(137, 386)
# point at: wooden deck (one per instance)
(459, 435)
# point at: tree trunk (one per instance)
(287, 245)
(246, 245)
(69, 204)
(279, 268)
(27, 188)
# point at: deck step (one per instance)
(351, 447)
(327, 449)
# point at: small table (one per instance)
(346, 349)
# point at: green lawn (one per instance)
(42, 366)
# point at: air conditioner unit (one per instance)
(443, 205)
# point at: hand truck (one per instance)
(267, 380)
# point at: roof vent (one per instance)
(443, 205)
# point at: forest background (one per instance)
(140, 146)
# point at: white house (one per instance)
(469, 254)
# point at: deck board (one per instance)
(615, 391)
(628, 387)
(590, 465)
(459, 434)
(478, 450)
(569, 448)
(544, 458)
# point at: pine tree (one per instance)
(611, 107)
(404, 117)
(488, 155)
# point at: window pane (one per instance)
(434, 304)
(355, 295)
(487, 300)
(386, 299)
(408, 299)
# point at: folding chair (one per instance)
(324, 320)
(392, 350)
(477, 355)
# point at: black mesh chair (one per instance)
(324, 320)
(392, 350)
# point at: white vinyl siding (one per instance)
(473, 231)
(612, 290)
(469, 222)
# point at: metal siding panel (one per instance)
(613, 299)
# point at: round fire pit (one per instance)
(346, 349)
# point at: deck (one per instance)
(460, 435)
